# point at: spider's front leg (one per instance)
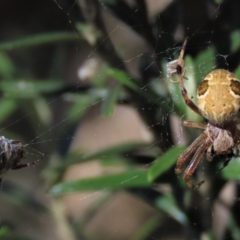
(194, 163)
(186, 154)
(180, 71)
(191, 124)
(28, 164)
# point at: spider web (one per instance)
(144, 60)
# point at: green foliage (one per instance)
(167, 204)
(164, 162)
(21, 88)
(235, 44)
(131, 178)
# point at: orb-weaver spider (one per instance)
(218, 101)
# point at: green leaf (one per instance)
(232, 170)
(89, 32)
(43, 111)
(122, 78)
(4, 230)
(74, 158)
(38, 39)
(133, 178)
(164, 162)
(174, 90)
(167, 204)
(80, 103)
(235, 40)
(7, 107)
(237, 72)
(6, 66)
(233, 228)
(108, 104)
(29, 89)
(191, 85)
(204, 63)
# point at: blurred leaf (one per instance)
(43, 110)
(204, 63)
(237, 72)
(164, 162)
(29, 89)
(191, 85)
(4, 230)
(148, 228)
(39, 39)
(6, 66)
(74, 158)
(81, 103)
(179, 105)
(232, 170)
(101, 77)
(235, 40)
(122, 78)
(108, 104)
(7, 107)
(167, 204)
(89, 32)
(234, 229)
(133, 178)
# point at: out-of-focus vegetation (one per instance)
(48, 90)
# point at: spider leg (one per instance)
(28, 164)
(194, 163)
(181, 75)
(187, 100)
(184, 156)
(191, 124)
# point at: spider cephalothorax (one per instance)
(218, 99)
(11, 154)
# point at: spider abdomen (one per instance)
(223, 139)
(219, 96)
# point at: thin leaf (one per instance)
(6, 66)
(39, 39)
(167, 204)
(74, 158)
(80, 105)
(29, 89)
(122, 78)
(108, 104)
(204, 63)
(164, 162)
(174, 90)
(133, 178)
(43, 110)
(7, 107)
(191, 86)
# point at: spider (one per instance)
(11, 154)
(218, 101)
